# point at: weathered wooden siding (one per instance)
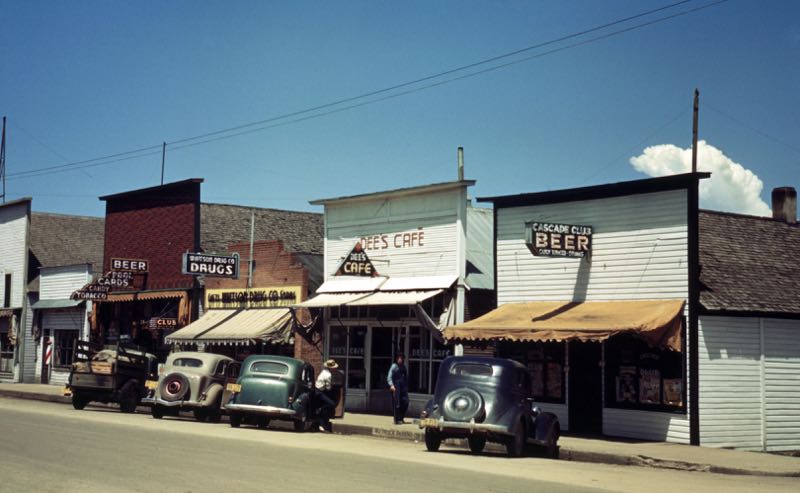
(480, 248)
(58, 283)
(730, 382)
(13, 250)
(436, 214)
(782, 384)
(646, 425)
(639, 251)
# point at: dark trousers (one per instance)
(325, 408)
(400, 405)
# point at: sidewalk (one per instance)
(604, 450)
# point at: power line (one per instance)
(288, 117)
(751, 128)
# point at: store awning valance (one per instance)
(273, 325)
(144, 295)
(395, 298)
(331, 299)
(53, 304)
(657, 321)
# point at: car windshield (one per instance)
(472, 370)
(269, 367)
(188, 362)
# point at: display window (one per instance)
(347, 347)
(642, 377)
(545, 363)
(63, 345)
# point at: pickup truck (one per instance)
(105, 375)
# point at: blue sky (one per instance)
(80, 80)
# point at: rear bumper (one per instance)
(263, 410)
(461, 427)
(161, 402)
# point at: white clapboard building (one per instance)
(399, 266)
(640, 315)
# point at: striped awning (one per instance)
(144, 295)
(237, 327)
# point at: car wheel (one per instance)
(551, 451)
(156, 411)
(463, 404)
(476, 443)
(236, 420)
(433, 440)
(515, 446)
(79, 401)
(129, 398)
(299, 426)
(262, 423)
(200, 415)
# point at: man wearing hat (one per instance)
(325, 401)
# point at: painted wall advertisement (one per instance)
(558, 240)
(260, 297)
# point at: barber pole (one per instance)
(48, 352)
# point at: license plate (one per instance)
(66, 391)
(151, 384)
(428, 422)
(234, 387)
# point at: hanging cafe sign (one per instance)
(202, 264)
(558, 240)
(356, 263)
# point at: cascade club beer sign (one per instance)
(558, 240)
(356, 263)
(201, 264)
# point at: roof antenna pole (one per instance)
(460, 164)
(694, 129)
(3, 160)
(163, 158)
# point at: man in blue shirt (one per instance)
(398, 384)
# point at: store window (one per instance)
(6, 349)
(424, 357)
(7, 291)
(63, 345)
(347, 348)
(642, 377)
(545, 363)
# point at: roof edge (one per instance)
(433, 187)
(173, 184)
(21, 200)
(618, 189)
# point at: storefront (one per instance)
(250, 312)
(15, 364)
(641, 316)
(594, 296)
(399, 266)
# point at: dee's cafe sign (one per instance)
(558, 240)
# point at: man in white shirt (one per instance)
(325, 402)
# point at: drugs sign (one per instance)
(202, 264)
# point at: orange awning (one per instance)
(144, 295)
(659, 322)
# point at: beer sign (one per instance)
(558, 240)
(356, 263)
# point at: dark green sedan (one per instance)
(272, 387)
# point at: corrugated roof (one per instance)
(221, 225)
(749, 264)
(59, 239)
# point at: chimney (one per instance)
(460, 164)
(784, 204)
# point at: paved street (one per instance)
(51, 447)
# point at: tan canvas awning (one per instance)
(144, 295)
(272, 325)
(657, 321)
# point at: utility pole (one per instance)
(252, 236)
(163, 158)
(3, 160)
(694, 129)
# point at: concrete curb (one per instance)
(414, 434)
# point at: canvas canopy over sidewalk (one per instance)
(659, 322)
(237, 327)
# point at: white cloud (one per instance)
(732, 187)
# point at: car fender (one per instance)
(546, 428)
(214, 393)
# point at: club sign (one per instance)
(558, 240)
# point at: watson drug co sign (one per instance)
(201, 264)
(558, 240)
